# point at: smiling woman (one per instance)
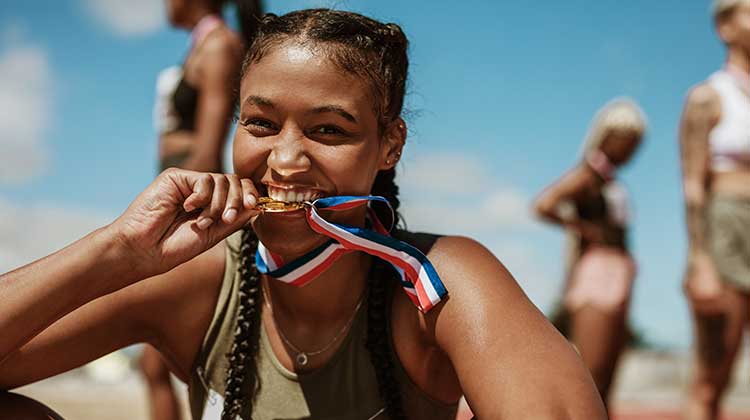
(374, 332)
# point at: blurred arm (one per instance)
(699, 117)
(221, 55)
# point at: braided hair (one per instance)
(376, 52)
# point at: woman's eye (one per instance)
(257, 125)
(328, 130)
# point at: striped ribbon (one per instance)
(419, 279)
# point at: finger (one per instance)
(213, 212)
(249, 193)
(234, 199)
(201, 196)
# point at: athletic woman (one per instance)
(593, 207)
(715, 142)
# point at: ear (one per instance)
(394, 139)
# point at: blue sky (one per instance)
(501, 95)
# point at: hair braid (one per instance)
(241, 372)
(378, 334)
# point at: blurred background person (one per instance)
(589, 203)
(192, 114)
(715, 142)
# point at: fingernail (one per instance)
(230, 215)
(250, 200)
(205, 222)
(188, 207)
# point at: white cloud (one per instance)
(25, 101)
(32, 231)
(127, 18)
(457, 194)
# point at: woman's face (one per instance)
(620, 145)
(735, 29)
(307, 129)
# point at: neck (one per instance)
(332, 296)
(739, 60)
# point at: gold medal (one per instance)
(268, 204)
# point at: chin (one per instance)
(287, 233)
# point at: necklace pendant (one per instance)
(301, 359)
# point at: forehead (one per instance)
(304, 75)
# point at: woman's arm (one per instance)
(701, 114)
(220, 59)
(573, 185)
(510, 361)
(179, 216)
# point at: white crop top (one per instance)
(730, 139)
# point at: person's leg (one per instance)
(600, 337)
(717, 336)
(18, 407)
(162, 399)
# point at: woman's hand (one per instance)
(702, 282)
(180, 215)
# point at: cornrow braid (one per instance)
(378, 333)
(379, 336)
(242, 370)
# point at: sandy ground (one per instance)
(650, 386)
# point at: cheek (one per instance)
(352, 170)
(247, 155)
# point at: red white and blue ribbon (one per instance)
(419, 279)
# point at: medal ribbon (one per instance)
(419, 279)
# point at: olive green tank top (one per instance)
(345, 388)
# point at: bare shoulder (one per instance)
(702, 100)
(477, 282)
(702, 94)
(222, 41)
(469, 270)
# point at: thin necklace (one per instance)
(302, 357)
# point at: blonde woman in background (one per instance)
(592, 206)
(715, 142)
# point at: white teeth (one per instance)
(279, 194)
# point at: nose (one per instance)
(288, 155)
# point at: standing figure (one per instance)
(192, 114)
(592, 206)
(715, 142)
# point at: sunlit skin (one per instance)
(709, 297)
(486, 340)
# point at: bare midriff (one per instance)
(735, 183)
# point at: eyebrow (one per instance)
(261, 101)
(336, 110)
